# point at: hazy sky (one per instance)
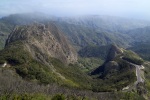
(127, 8)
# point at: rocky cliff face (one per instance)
(44, 41)
(113, 52)
(124, 69)
(110, 62)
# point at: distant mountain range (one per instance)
(85, 30)
(91, 53)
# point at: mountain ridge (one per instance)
(80, 30)
(36, 33)
(53, 51)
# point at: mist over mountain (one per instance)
(74, 50)
(135, 9)
(85, 55)
(84, 30)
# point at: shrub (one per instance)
(58, 97)
(132, 57)
(26, 97)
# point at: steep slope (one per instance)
(40, 52)
(5, 29)
(95, 51)
(140, 34)
(99, 30)
(83, 35)
(120, 68)
(142, 48)
(141, 45)
(92, 56)
(8, 23)
(44, 39)
(81, 31)
(107, 23)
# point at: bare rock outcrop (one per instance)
(44, 41)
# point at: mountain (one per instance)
(5, 29)
(82, 30)
(95, 51)
(99, 30)
(83, 35)
(119, 68)
(42, 53)
(46, 39)
(142, 48)
(140, 34)
(141, 45)
(108, 23)
(8, 23)
(74, 57)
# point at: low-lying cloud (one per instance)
(124, 8)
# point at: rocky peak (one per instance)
(113, 52)
(44, 41)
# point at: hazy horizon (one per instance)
(137, 9)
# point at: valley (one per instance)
(76, 58)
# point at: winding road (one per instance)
(138, 71)
(139, 74)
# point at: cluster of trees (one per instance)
(132, 57)
(13, 87)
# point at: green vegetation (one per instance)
(125, 75)
(140, 36)
(95, 51)
(92, 30)
(25, 66)
(116, 74)
(5, 29)
(69, 76)
(132, 57)
(115, 81)
(58, 97)
(89, 63)
(147, 75)
(143, 49)
(42, 97)
(84, 34)
(92, 55)
(25, 97)
(35, 70)
(73, 73)
(15, 54)
(31, 69)
(129, 96)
